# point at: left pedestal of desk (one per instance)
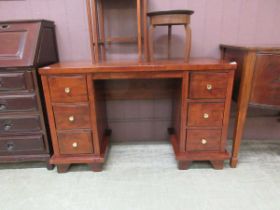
(74, 108)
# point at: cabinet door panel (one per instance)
(266, 83)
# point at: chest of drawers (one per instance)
(24, 46)
(76, 106)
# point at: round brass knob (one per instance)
(71, 118)
(205, 116)
(203, 141)
(67, 90)
(75, 145)
(209, 87)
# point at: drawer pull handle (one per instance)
(2, 107)
(67, 90)
(7, 127)
(209, 87)
(10, 146)
(203, 141)
(71, 119)
(75, 145)
(205, 116)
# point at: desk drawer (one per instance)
(71, 116)
(12, 124)
(203, 140)
(208, 85)
(16, 81)
(68, 88)
(18, 103)
(75, 142)
(205, 114)
(22, 145)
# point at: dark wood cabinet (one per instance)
(24, 47)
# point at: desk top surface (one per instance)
(195, 64)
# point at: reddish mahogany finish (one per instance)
(257, 83)
(194, 135)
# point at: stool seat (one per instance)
(171, 12)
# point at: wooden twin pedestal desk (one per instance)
(76, 95)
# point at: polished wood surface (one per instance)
(71, 116)
(170, 18)
(203, 140)
(173, 76)
(208, 85)
(266, 84)
(195, 64)
(22, 145)
(205, 114)
(25, 46)
(75, 142)
(99, 39)
(16, 80)
(256, 83)
(68, 88)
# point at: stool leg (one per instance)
(188, 42)
(151, 47)
(169, 40)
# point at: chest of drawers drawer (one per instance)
(22, 145)
(16, 81)
(203, 140)
(26, 102)
(71, 116)
(68, 88)
(75, 142)
(205, 114)
(10, 124)
(208, 85)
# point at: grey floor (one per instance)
(145, 177)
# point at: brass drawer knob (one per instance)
(203, 141)
(67, 90)
(71, 119)
(75, 145)
(209, 87)
(205, 116)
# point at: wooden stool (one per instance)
(170, 18)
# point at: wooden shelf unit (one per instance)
(95, 14)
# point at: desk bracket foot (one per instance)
(184, 165)
(217, 164)
(96, 167)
